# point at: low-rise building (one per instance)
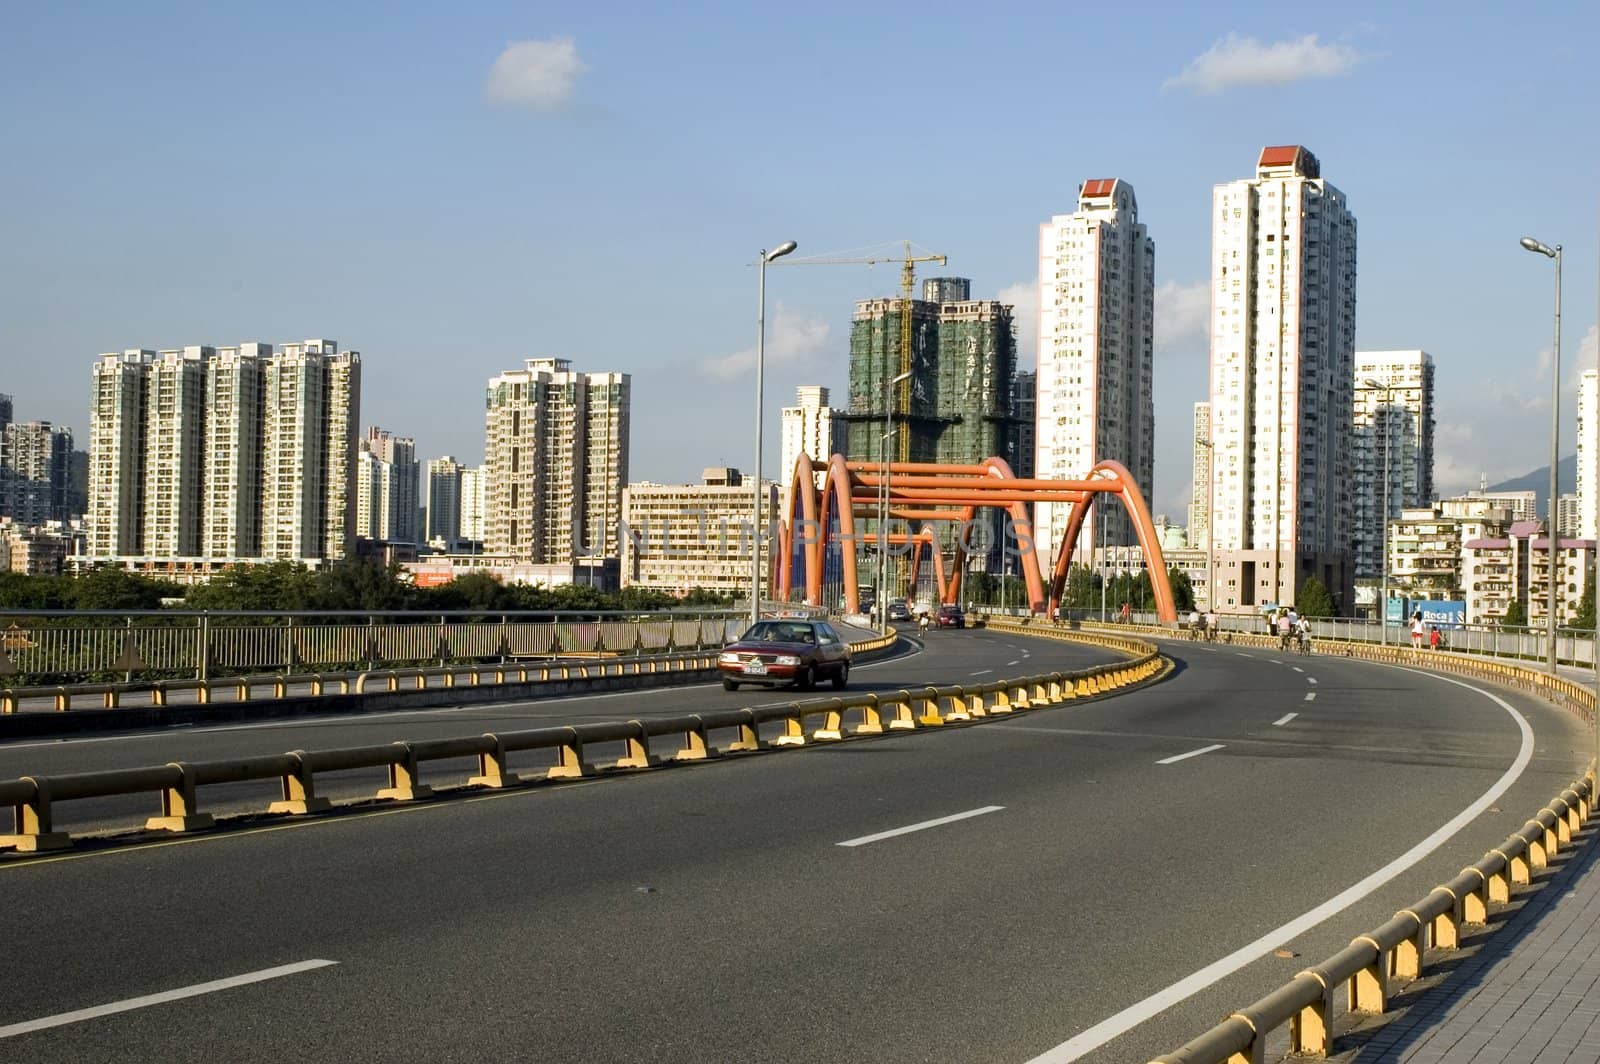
(684, 536)
(1513, 568)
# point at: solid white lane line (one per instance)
(1192, 753)
(1081, 1045)
(908, 829)
(1297, 668)
(981, 672)
(1286, 718)
(62, 1019)
(1311, 696)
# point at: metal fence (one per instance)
(1573, 647)
(39, 647)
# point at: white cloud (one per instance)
(794, 341)
(1234, 61)
(539, 75)
(1589, 349)
(1023, 296)
(1183, 318)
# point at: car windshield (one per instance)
(779, 632)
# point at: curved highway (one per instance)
(1064, 884)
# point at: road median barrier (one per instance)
(1375, 965)
(35, 800)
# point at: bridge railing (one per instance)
(34, 799)
(86, 646)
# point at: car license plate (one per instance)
(755, 668)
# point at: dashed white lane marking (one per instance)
(1297, 668)
(1242, 654)
(1192, 753)
(1010, 663)
(1286, 718)
(1086, 1042)
(981, 672)
(1311, 696)
(1275, 661)
(924, 825)
(1311, 679)
(64, 1018)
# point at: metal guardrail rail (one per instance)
(239, 689)
(1398, 951)
(65, 647)
(34, 798)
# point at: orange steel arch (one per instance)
(1111, 478)
(923, 493)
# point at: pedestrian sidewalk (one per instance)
(1529, 994)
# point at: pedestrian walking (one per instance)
(1433, 638)
(1416, 630)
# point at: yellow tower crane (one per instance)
(901, 401)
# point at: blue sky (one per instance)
(453, 188)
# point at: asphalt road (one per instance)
(942, 657)
(1082, 865)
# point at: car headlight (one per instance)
(786, 659)
(728, 657)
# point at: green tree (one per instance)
(359, 584)
(1314, 600)
(1585, 618)
(1516, 616)
(113, 588)
(21, 592)
(1182, 589)
(278, 587)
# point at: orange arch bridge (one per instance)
(821, 529)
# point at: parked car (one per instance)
(898, 610)
(950, 616)
(772, 653)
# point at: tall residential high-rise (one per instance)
(1589, 455)
(5, 410)
(35, 461)
(1096, 351)
(1394, 431)
(223, 454)
(1199, 505)
(809, 428)
(386, 487)
(441, 502)
(235, 388)
(556, 461)
(474, 503)
(1283, 311)
(1024, 421)
(174, 442)
(116, 454)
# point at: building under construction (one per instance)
(957, 405)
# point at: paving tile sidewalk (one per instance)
(1529, 995)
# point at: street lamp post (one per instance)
(1383, 526)
(881, 600)
(1211, 475)
(761, 365)
(1555, 443)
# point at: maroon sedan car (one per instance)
(800, 652)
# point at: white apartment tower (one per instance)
(1589, 455)
(441, 501)
(1096, 321)
(116, 453)
(555, 461)
(474, 502)
(174, 442)
(1283, 293)
(235, 387)
(1394, 437)
(205, 454)
(1199, 505)
(386, 487)
(809, 428)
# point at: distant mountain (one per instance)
(1539, 480)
